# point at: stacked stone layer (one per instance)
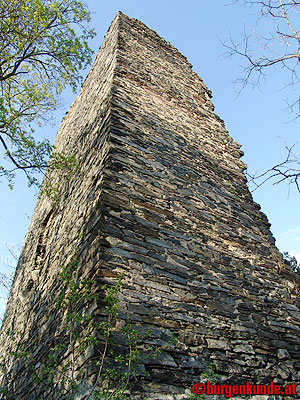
(162, 197)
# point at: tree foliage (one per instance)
(43, 47)
(292, 262)
(272, 44)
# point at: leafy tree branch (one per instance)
(43, 48)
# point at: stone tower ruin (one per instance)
(160, 196)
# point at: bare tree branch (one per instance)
(286, 171)
(272, 43)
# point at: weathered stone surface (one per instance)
(160, 196)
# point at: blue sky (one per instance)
(256, 118)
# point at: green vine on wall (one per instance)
(59, 375)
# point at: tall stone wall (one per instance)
(160, 196)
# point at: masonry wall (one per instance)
(50, 243)
(162, 197)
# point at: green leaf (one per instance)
(43, 48)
